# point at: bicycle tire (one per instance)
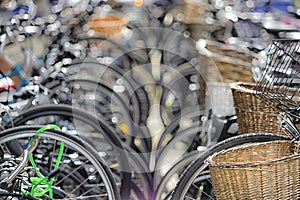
(72, 143)
(160, 183)
(67, 113)
(198, 165)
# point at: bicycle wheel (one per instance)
(97, 98)
(191, 114)
(179, 146)
(89, 128)
(80, 173)
(119, 79)
(182, 91)
(195, 181)
(164, 181)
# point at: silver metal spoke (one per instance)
(83, 182)
(98, 185)
(53, 152)
(202, 191)
(190, 198)
(65, 177)
(81, 197)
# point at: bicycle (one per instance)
(281, 72)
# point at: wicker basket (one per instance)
(109, 25)
(226, 63)
(269, 170)
(253, 116)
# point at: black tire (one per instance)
(198, 165)
(71, 144)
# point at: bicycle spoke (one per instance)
(69, 174)
(190, 198)
(201, 190)
(82, 183)
(82, 197)
(207, 195)
(53, 152)
(92, 188)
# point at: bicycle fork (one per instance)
(4, 184)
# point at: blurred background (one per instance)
(157, 75)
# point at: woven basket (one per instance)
(253, 115)
(109, 25)
(226, 63)
(269, 170)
